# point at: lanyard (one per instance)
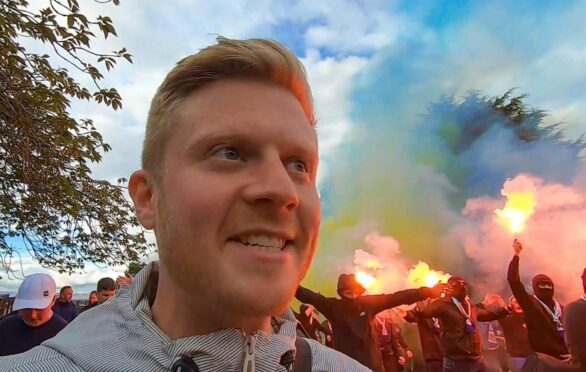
(461, 308)
(556, 315)
(384, 331)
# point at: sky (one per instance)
(375, 68)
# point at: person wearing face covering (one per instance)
(352, 316)
(575, 325)
(543, 314)
(460, 333)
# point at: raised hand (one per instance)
(517, 246)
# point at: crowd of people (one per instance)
(38, 314)
(454, 333)
(531, 331)
(228, 184)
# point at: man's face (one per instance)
(237, 209)
(104, 295)
(544, 290)
(36, 317)
(66, 295)
(459, 288)
(351, 294)
(93, 298)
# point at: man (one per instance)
(543, 314)
(575, 326)
(460, 337)
(63, 306)
(429, 336)
(228, 184)
(327, 333)
(352, 316)
(516, 336)
(105, 290)
(394, 349)
(493, 340)
(35, 321)
(309, 319)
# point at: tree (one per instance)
(459, 140)
(48, 198)
(134, 268)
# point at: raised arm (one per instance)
(514, 279)
(320, 302)
(486, 315)
(378, 303)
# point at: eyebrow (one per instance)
(297, 148)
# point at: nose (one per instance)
(272, 185)
(34, 314)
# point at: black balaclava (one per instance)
(544, 294)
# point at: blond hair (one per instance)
(254, 58)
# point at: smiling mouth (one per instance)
(263, 243)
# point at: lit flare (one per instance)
(519, 207)
(365, 279)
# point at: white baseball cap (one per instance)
(35, 292)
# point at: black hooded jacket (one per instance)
(352, 320)
(543, 334)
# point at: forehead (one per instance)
(245, 108)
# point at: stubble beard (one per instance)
(224, 296)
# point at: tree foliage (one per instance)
(134, 268)
(461, 122)
(48, 198)
(478, 141)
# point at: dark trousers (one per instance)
(434, 365)
(466, 365)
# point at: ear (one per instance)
(141, 187)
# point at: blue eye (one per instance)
(297, 166)
(229, 153)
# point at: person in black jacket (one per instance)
(309, 319)
(575, 325)
(429, 336)
(352, 316)
(516, 336)
(460, 336)
(543, 314)
(394, 349)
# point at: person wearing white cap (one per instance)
(35, 321)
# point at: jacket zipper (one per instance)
(249, 345)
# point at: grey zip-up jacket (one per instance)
(120, 335)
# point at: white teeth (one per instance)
(264, 243)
